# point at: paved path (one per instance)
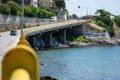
(6, 43)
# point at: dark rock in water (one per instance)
(47, 78)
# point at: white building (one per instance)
(62, 15)
(34, 2)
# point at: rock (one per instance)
(47, 78)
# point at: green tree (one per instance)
(28, 11)
(117, 20)
(32, 11)
(14, 7)
(4, 9)
(60, 4)
(105, 21)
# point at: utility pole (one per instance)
(22, 17)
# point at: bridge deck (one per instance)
(50, 27)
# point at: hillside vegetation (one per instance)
(13, 8)
(105, 21)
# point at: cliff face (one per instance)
(116, 30)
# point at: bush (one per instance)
(27, 11)
(14, 7)
(108, 28)
(117, 20)
(32, 11)
(7, 28)
(80, 38)
(4, 9)
(105, 21)
(37, 24)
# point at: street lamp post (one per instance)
(84, 8)
(22, 17)
(78, 17)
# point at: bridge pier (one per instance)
(62, 36)
(38, 41)
(48, 39)
(30, 40)
(77, 30)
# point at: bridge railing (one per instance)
(51, 26)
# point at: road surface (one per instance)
(6, 43)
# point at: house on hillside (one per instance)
(91, 30)
(46, 3)
(27, 2)
(62, 15)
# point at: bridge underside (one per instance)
(53, 38)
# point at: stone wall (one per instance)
(9, 19)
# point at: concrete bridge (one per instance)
(52, 34)
(42, 33)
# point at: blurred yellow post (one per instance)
(20, 63)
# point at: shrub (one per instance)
(4, 9)
(80, 38)
(7, 28)
(14, 7)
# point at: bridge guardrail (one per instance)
(50, 26)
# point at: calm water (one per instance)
(90, 63)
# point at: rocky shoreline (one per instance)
(47, 78)
(92, 43)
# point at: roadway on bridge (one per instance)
(53, 26)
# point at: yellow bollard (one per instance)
(20, 63)
(23, 41)
(20, 74)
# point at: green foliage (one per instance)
(70, 36)
(29, 11)
(32, 11)
(37, 24)
(14, 7)
(117, 20)
(105, 21)
(80, 38)
(108, 28)
(7, 28)
(75, 38)
(60, 4)
(48, 9)
(104, 17)
(4, 9)
(19, 13)
(67, 13)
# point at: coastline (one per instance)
(93, 43)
